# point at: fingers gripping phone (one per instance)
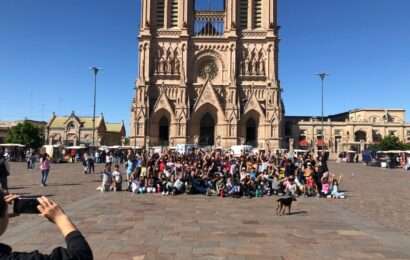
(26, 206)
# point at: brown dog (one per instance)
(283, 203)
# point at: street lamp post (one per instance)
(95, 71)
(322, 77)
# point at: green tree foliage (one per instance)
(390, 142)
(26, 134)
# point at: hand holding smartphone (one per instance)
(26, 205)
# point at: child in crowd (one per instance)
(116, 179)
(143, 185)
(336, 194)
(325, 187)
(150, 185)
(275, 185)
(134, 183)
(310, 186)
(106, 179)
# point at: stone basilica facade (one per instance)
(208, 74)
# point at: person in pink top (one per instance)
(45, 169)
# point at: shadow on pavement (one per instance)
(300, 212)
(63, 184)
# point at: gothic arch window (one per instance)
(210, 5)
(231, 128)
(160, 12)
(257, 13)
(208, 69)
(180, 127)
(139, 126)
(70, 126)
(209, 17)
(208, 65)
(243, 14)
(174, 13)
(272, 128)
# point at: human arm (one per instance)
(77, 246)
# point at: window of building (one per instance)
(319, 132)
(160, 13)
(243, 14)
(392, 132)
(408, 132)
(174, 13)
(257, 13)
(338, 132)
(70, 126)
(302, 132)
(209, 18)
(210, 5)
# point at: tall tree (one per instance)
(25, 133)
(390, 142)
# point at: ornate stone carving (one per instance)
(208, 70)
(167, 61)
(253, 63)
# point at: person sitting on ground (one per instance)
(169, 186)
(276, 185)
(335, 189)
(106, 179)
(310, 187)
(290, 186)
(150, 185)
(178, 186)
(248, 187)
(77, 246)
(220, 184)
(325, 192)
(134, 184)
(116, 179)
(143, 185)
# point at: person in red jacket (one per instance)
(77, 246)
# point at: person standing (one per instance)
(28, 159)
(45, 169)
(90, 164)
(4, 172)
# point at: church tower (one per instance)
(208, 74)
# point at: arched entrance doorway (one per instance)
(207, 130)
(251, 132)
(164, 131)
(360, 135)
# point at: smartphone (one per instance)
(26, 205)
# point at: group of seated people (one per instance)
(219, 174)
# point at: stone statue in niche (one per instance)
(253, 64)
(177, 66)
(168, 62)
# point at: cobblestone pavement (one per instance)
(373, 223)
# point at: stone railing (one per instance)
(209, 24)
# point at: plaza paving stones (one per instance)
(373, 223)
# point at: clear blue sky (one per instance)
(47, 46)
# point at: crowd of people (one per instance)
(217, 173)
